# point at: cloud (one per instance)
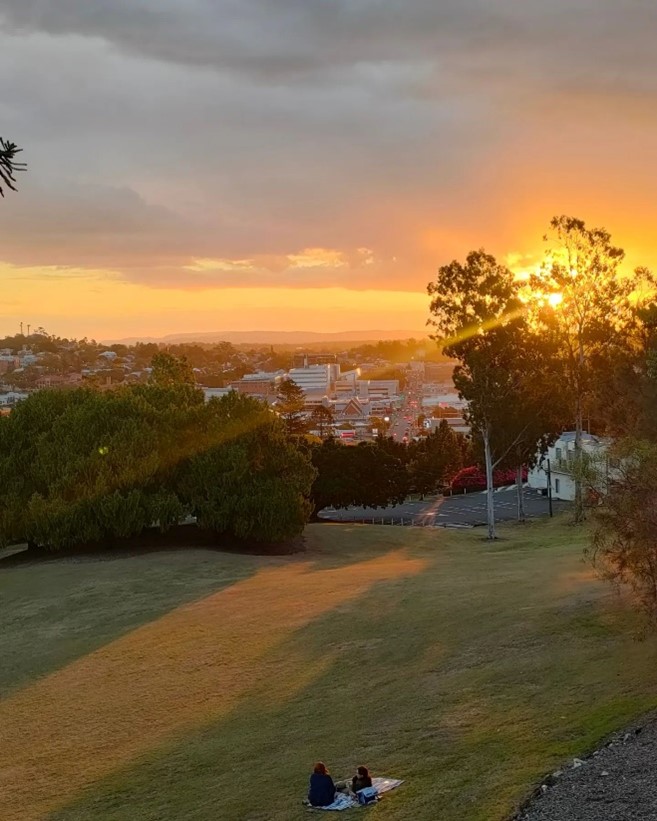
(198, 144)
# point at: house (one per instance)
(557, 463)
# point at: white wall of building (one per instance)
(561, 456)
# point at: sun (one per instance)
(555, 299)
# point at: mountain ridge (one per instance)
(273, 337)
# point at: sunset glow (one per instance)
(279, 183)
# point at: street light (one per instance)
(549, 487)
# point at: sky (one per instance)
(207, 165)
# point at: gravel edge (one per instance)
(552, 779)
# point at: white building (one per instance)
(315, 379)
(559, 460)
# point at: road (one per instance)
(403, 422)
(451, 511)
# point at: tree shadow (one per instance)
(189, 668)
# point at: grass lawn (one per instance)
(197, 685)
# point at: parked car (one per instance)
(474, 478)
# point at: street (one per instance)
(450, 511)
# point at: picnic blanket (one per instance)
(348, 802)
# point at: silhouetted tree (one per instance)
(9, 165)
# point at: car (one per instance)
(473, 478)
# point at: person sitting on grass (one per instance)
(322, 788)
(361, 780)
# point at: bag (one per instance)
(368, 795)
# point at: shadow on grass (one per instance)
(169, 677)
(183, 537)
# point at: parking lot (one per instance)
(451, 511)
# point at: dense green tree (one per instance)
(369, 474)
(85, 466)
(251, 481)
(169, 370)
(290, 403)
(480, 319)
(435, 459)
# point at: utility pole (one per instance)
(549, 487)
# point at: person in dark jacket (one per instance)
(361, 779)
(322, 788)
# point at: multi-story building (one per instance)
(316, 379)
(556, 466)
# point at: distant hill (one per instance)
(274, 337)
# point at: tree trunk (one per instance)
(579, 426)
(521, 494)
(490, 505)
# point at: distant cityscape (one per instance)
(393, 387)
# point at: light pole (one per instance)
(549, 487)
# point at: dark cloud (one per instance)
(159, 132)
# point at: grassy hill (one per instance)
(201, 685)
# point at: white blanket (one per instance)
(348, 802)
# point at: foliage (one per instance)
(370, 474)
(251, 481)
(625, 533)
(290, 403)
(169, 370)
(322, 420)
(435, 459)
(594, 319)
(481, 322)
(9, 165)
(84, 466)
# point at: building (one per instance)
(558, 461)
(305, 359)
(8, 363)
(316, 379)
(10, 399)
(456, 422)
(261, 384)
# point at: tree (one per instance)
(322, 420)
(250, 481)
(588, 308)
(169, 370)
(481, 322)
(9, 165)
(84, 467)
(624, 544)
(290, 404)
(369, 474)
(435, 459)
